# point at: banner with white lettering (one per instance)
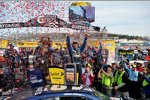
(35, 78)
(48, 21)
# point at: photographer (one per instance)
(87, 76)
(107, 80)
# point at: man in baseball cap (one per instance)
(75, 53)
(121, 82)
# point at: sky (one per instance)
(119, 17)
(123, 17)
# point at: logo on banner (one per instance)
(20, 43)
(48, 21)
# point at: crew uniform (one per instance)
(121, 80)
(106, 80)
(146, 86)
(107, 84)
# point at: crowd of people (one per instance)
(123, 79)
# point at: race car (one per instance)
(62, 92)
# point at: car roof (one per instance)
(59, 90)
(63, 89)
(138, 61)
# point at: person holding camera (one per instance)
(87, 76)
(107, 80)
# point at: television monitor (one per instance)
(81, 13)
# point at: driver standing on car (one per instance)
(75, 53)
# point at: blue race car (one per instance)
(57, 92)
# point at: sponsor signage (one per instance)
(27, 44)
(56, 75)
(9, 25)
(49, 21)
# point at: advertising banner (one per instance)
(35, 78)
(94, 43)
(3, 44)
(57, 75)
(122, 52)
(57, 44)
(27, 44)
(53, 21)
(110, 46)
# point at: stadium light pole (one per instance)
(104, 31)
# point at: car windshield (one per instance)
(65, 98)
(100, 95)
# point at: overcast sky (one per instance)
(120, 17)
(123, 17)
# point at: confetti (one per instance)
(23, 11)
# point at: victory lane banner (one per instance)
(48, 21)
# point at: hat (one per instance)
(121, 65)
(74, 42)
(10, 44)
(88, 65)
(113, 63)
(133, 66)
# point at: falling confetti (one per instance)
(22, 11)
